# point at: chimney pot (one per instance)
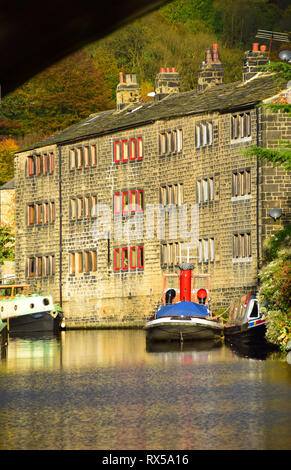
(120, 77)
(263, 48)
(208, 56)
(215, 47)
(162, 70)
(173, 69)
(168, 69)
(255, 46)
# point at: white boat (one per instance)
(185, 320)
(25, 313)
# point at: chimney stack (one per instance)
(210, 71)
(127, 92)
(253, 59)
(167, 82)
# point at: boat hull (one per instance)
(35, 322)
(192, 329)
(248, 333)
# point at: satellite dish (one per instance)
(275, 213)
(285, 56)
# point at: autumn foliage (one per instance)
(8, 147)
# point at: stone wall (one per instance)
(276, 185)
(122, 298)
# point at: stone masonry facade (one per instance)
(64, 188)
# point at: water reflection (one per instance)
(111, 390)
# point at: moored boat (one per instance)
(23, 312)
(245, 323)
(184, 320)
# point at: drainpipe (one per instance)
(258, 188)
(60, 227)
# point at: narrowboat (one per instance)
(184, 320)
(23, 312)
(245, 323)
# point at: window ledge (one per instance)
(241, 198)
(241, 140)
(241, 260)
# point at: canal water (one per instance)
(106, 389)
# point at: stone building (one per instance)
(107, 207)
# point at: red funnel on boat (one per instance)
(185, 281)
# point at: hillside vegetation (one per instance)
(176, 35)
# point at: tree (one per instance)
(8, 148)
(6, 244)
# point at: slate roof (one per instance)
(221, 98)
(9, 185)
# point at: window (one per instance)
(51, 163)
(80, 208)
(117, 151)
(139, 148)
(87, 206)
(46, 265)
(132, 257)
(124, 258)
(38, 164)
(205, 190)
(52, 212)
(39, 266)
(128, 149)
(39, 213)
(30, 166)
(206, 251)
(79, 157)
(73, 209)
(140, 260)
(132, 149)
(212, 249)
(31, 214)
(199, 192)
(116, 259)
(93, 155)
(83, 262)
(86, 262)
(86, 157)
(241, 183)
(240, 126)
(203, 134)
(124, 150)
(128, 258)
(79, 262)
(94, 261)
(179, 140)
(171, 142)
(171, 254)
(45, 163)
(72, 263)
(198, 136)
(72, 159)
(242, 245)
(46, 213)
(31, 267)
(117, 203)
(140, 200)
(125, 202)
(172, 194)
